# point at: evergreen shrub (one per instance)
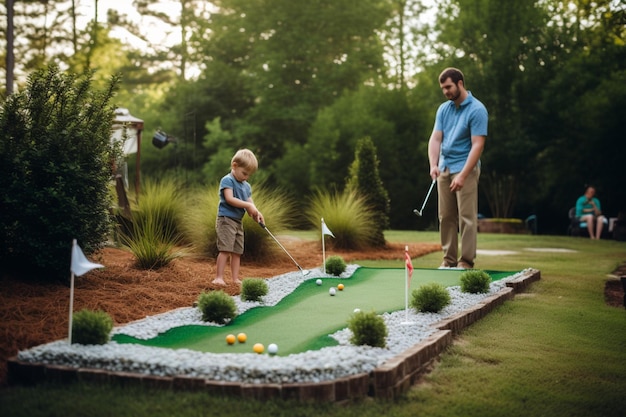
(253, 289)
(367, 329)
(91, 327)
(475, 281)
(56, 162)
(430, 298)
(217, 306)
(365, 180)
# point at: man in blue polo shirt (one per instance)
(454, 150)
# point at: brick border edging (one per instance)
(391, 379)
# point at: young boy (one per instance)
(235, 201)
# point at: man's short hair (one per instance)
(454, 74)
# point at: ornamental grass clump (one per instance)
(475, 281)
(155, 229)
(253, 289)
(335, 265)
(91, 327)
(201, 213)
(367, 329)
(430, 298)
(217, 306)
(348, 217)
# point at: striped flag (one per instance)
(409, 265)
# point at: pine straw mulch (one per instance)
(34, 313)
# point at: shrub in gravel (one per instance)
(475, 281)
(253, 289)
(367, 329)
(430, 298)
(217, 306)
(91, 327)
(335, 265)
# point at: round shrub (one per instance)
(217, 306)
(430, 298)
(91, 327)
(253, 289)
(475, 281)
(335, 265)
(367, 329)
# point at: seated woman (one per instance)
(588, 210)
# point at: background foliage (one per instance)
(301, 82)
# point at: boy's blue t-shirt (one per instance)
(458, 127)
(241, 190)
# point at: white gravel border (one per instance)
(312, 366)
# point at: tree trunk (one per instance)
(10, 58)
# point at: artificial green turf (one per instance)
(303, 320)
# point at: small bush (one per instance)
(367, 329)
(475, 281)
(217, 306)
(253, 289)
(91, 327)
(335, 265)
(430, 298)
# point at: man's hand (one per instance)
(457, 183)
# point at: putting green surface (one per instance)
(303, 320)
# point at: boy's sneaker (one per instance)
(445, 265)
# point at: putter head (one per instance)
(417, 212)
(305, 272)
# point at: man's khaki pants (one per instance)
(458, 213)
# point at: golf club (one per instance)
(419, 212)
(304, 271)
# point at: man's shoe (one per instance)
(445, 265)
(464, 265)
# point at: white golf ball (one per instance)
(332, 291)
(357, 310)
(318, 282)
(272, 349)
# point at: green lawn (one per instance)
(556, 350)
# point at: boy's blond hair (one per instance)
(245, 158)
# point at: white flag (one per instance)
(80, 264)
(326, 230)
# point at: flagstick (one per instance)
(71, 299)
(406, 292)
(323, 248)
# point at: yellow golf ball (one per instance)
(242, 337)
(340, 287)
(230, 339)
(258, 348)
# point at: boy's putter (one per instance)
(304, 271)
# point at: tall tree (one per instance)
(296, 57)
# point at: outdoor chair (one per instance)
(578, 228)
